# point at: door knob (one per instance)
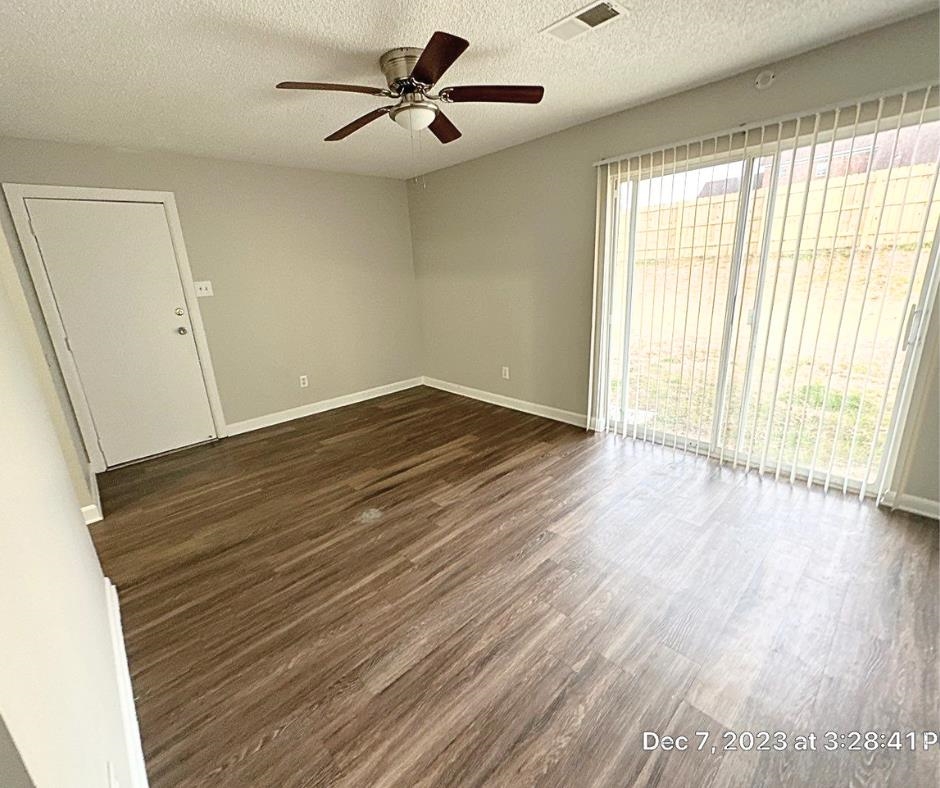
(182, 330)
(179, 311)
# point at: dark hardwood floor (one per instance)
(428, 590)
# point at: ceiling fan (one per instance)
(411, 73)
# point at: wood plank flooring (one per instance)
(427, 590)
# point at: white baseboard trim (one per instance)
(533, 408)
(92, 514)
(913, 504)
(319, 407)
(135, 752)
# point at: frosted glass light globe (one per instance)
(414, 117)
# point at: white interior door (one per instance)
(113, 272)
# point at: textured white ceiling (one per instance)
(198, 76)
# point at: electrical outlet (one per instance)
(203, 289)
(505, 373)
(304, 382)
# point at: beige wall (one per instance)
(58, 683)
(44, 367)
(504, 244)
(312, 271)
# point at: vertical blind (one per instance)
(758, 293)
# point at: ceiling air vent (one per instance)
(589, 18)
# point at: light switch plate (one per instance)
(203, 289)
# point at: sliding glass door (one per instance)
(760, 290)
(677, 263)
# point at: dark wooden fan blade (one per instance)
(357, 124)
(330, 86)
(438, 56)
(512, 94)
(443, 129)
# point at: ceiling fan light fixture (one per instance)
(414, 116)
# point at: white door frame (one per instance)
(891, 478)
(17, 194)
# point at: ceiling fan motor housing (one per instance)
(396, 65)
